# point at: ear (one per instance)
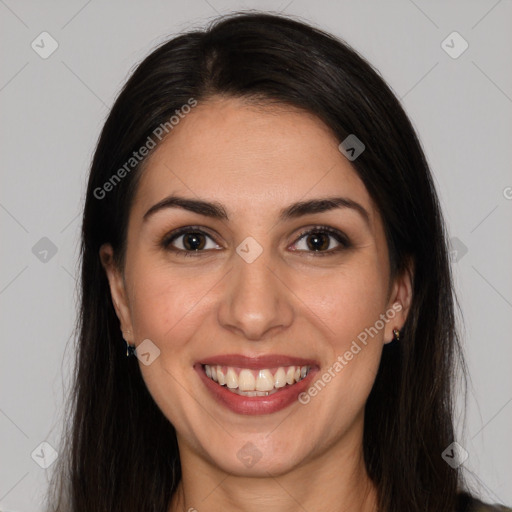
(400, 301)
(117, 291)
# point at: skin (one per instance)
(256, 161)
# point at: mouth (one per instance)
(262, 382)
(260, 385)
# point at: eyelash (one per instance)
(340, 238)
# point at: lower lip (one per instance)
(255, 404)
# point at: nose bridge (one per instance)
(255, 300)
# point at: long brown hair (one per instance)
(120, 451)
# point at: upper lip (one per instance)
(257, 362)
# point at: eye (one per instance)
(321, 240)
(192, 241)
(189, 241)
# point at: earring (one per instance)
(396, 334)
(130, 349)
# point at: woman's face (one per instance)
(275, 282)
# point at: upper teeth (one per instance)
(256, 380)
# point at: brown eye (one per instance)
(322, 241)
(318, 241)
(189, 240)
(193, 241)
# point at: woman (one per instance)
(262, 232)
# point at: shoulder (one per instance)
(468, 503)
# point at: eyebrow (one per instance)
(215, 210)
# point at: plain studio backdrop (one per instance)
(63, 63)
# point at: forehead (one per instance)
(250, 157)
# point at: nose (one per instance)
(256, 302)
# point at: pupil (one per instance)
(318, 241)
(193, 242)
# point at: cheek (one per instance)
(350, 305)
(160, 301)
(347, 300)
(168, 304)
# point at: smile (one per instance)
(250, 383)
(263, 384)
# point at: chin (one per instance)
(256, 456)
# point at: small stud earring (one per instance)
(130, 349)
(396, 334)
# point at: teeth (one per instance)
(221, 378)
(280, 378)
(290, 375)
(256, 382)
(255, 393)
(265, 381)
(231, 379)
(246, 381)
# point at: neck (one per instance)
(335, 481)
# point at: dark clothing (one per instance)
(467, 503)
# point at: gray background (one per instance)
(52, 112)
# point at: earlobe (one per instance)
(400, 303)
(117, 290)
